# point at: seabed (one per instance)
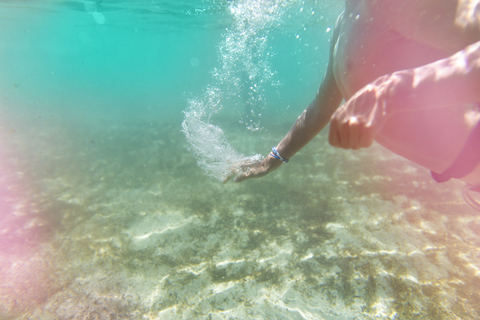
(120, 223)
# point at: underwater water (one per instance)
(119, 118)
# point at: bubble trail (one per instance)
(244, 73)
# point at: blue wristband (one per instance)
(275, 154)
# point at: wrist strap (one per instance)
(275, 154)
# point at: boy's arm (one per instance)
(452, 81)
(312, 120)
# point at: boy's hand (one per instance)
(256, 169)
(354, 125)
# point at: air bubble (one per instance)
(90, 6)
(99, 17)
(194, 62)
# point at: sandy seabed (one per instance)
(120, 223)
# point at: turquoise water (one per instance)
(111, 209)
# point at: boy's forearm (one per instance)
(313, 119)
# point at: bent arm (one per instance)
(448, 82)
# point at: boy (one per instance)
(409, 71)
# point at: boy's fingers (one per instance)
(344, 134)
(333, 137)
(239, 178)
(243, 176)
(354, 134)
(367, 137)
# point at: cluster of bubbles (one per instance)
(243, 75)
(91, 7)
(208, 143)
